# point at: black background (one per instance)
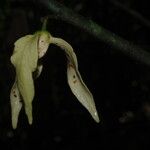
(120, 85)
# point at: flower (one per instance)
(27, 51)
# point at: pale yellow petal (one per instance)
(24, 59)
(16, 104)
(75, 81)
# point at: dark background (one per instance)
(120, 85)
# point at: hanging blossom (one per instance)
(27, 51)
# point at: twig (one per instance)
(97, 31)
(132, 12)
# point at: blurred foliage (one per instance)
(4, 12)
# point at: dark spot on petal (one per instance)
(74, 81)
(70, 65)
(74, 76)
(15, 95)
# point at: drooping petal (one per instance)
(71, 56)
(26, 88)
(81, 91)
(24, 59)
(75, 81)
(27, 51)
(16, 104)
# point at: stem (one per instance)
(45, 19)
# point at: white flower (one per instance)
(27, 51)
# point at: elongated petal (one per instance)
(81, 91)
(71, 56)
(26, 88)
(27, 51)
(75, 81)
(16, 104)
(24, 59)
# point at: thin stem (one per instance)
(45, 19)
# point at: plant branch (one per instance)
(45, 19)
(97, 31)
